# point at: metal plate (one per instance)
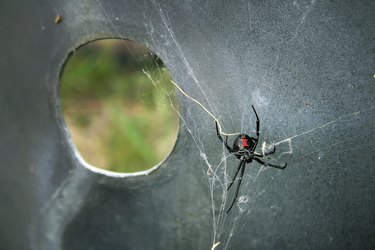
(308, 67)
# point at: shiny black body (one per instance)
(244, 149)
(243, 152)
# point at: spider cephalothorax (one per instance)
(244, 149)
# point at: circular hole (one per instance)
(119, 105)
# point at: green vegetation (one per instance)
(118, 119)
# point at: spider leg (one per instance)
(221, 138)
(269, 164)
(257, 131)
(258, 123)
(235, 175)
(238, 187)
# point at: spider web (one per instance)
(217, 164)
(217, 168)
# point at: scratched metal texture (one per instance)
(308, 66)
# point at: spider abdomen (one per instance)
(243, 145)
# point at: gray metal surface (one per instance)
(308, 67)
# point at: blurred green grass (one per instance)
(117, 118)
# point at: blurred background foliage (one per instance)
(119, 118)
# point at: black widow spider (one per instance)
(244, 149)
